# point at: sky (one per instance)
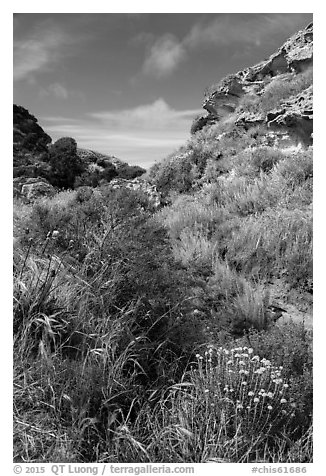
(130, 85)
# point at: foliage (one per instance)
(65, 163)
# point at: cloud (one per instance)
(141, 135)
(158, 115)
(55, 89)
(39, 52)
(245, 30)
(164, 56)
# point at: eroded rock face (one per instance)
(293, 57)
(296, 116)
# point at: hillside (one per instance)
(32, 159)
(168, 318)
(244, 181)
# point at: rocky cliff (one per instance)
(249, 96)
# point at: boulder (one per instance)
(36, 189)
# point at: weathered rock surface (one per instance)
(296, 116)
(295, 56)
(32, 188)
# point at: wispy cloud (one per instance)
(140, 135)
(247, 30)
(164, 56)
(39, 52)
(59, 91)
(55, 89)
(243, 29)
(158, 115)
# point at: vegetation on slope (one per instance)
(151, 337)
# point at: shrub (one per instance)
(290, 346)
(65, 163)
(231, 406)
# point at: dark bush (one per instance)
(65, 163)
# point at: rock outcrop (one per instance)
(31, 188)
(295, 116)
(30, 140)
(291, 59)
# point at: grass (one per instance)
(104, 350)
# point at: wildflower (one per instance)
(250, 351)
(226, 352)
(206, 391)
(283, 400)
(229, 362)
(225, 389)
(237, 355)
(284, 412)
(243, 383)
(251, 393)
(231, 371)
(197, 356)
(256, 400)
(241, 362)
(239, 407)
(231, 390)
(256, 357)
(55, 234)
(285, 385)
(270, 407)
(270, 394)
(245, 355)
